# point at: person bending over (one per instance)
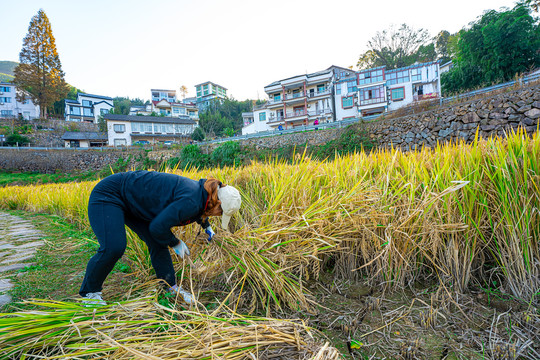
(150, 203)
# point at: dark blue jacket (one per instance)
(164, 200)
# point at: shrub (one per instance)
(198, 134)
(16, 139)
(227, 154)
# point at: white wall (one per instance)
(28, 110)
(257, 125)
(112, 135)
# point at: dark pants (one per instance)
(108, 216)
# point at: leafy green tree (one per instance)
(443, 46)
(222, 115)
(198, 134)
(495, 48)
(59, 106)
(395, 48)
(39, 72)
(102, 124)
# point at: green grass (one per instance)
(29, 178)
(59, 264)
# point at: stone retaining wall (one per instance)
(51, 161)
(492, 116)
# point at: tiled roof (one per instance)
(69, 101)
(155, 119)
(83, 135)
(95, 96)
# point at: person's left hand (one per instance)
(210, 233)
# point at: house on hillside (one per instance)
(84, 139)
(300, 100)
(208, 92)
(87, 107)
(164, 103)
(125, 130)
(11, 108)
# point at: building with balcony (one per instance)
(208, 92)
(125, 130)
(10, 107)
(160, 94)
(413, 83)
(87, 107)
(300, 100)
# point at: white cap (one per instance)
(230, 203)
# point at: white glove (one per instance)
(181, 249)
(210, 233)
(185, 295)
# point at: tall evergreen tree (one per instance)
(39, 72)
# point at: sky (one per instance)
(127, 47)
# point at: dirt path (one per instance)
(19, 240)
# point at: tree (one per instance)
(495, 48)
(443, 46)
(39, 73)
(183, 91)
(394, 48)
(222, 115)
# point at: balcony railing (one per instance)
(298, 95)
(426, 97)
(319, 93)
(275, 101)
(320, 112)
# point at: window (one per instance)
(142, 127)
(6, 113)
(74, 143)
(351, 86)
(6, 100)
(296, 93)
(262, 116)
(397, 94)
(370, 76)
(416, 74)
(119, 128)
(103, 111)
(199, 91)
(280, 114)
(299, 111)
(88, 112)
(338, 89)
(347, 102)
(397, 77)
(120, 142)
(371, 95)
(321, 88)
(86, 103)
(205, 90)
(5, 89)
(75, 110)
(277, 97)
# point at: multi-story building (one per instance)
(339, 93)
(10, 107)
(208, 92)
(164, 103)
(300, 100)
(87, 107)
(124, 130)
(413, 83)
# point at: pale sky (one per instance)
(125, 48)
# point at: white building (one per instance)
(164, 102)
(300, 100)
(209, 92)
(345, 93)
(413, 83)
(10, 107)
(125, 130)
(87, 107)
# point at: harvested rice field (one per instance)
(432, 254)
